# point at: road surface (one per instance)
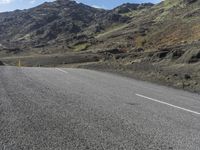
(76, 109)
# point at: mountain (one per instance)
(65, 24)
(62, 23)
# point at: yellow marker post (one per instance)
(19, 63)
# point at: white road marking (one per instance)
(155, 100)
(62, 70)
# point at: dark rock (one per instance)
(13, 50)
(195, 58)
(175, 75)
(189, 1)
(187, 76)
(113, 51)
(1, 63)
(39, 46)
(139, 50)
(177, 54)
(161, 54)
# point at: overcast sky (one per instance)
(8, 5)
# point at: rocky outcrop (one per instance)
(189, 1)
(128, 7)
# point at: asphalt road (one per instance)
(74, 109)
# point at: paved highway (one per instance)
(76, 109)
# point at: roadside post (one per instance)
(19, 63)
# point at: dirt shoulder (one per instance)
(178, 76)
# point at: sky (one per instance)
(9, 5)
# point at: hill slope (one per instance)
(62, 23)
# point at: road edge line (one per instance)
(62, 70)
(168, 104)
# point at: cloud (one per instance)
(5, 1)
(32, 1)
(99, 7)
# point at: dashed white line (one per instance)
(62, 70)
(171, 105)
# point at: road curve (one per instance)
(76, 109)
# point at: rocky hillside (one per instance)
(46, 24)
(169, 23)
(63, 24)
